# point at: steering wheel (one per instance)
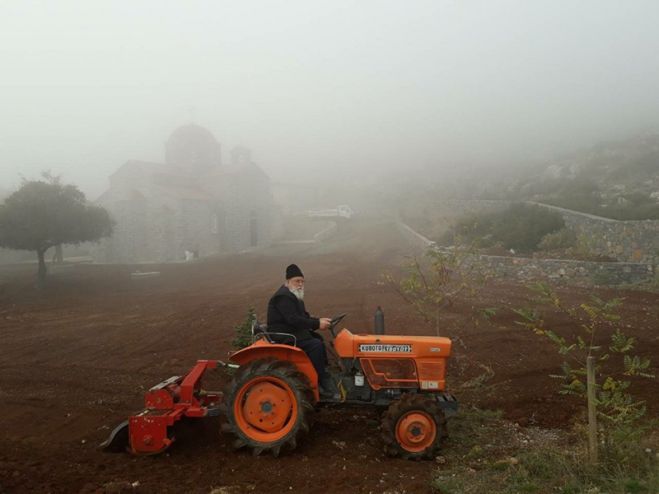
(335, 321)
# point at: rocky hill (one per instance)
(617, 179)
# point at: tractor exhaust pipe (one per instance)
(379, 321)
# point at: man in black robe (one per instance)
(287, 314)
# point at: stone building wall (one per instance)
(128, 242)
(245, 212)
(193, 229)
(160, 232)
(192, 202)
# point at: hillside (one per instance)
(617, 179)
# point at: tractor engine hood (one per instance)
(348, 345)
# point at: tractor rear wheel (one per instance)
(268, 406)
(414, 427)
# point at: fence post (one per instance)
(592, 410)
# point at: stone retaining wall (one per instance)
(577, 272)
(626, 241)
(629, 241)
(532, 269)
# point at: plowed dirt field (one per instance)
(77, 356)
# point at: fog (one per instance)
(318, 89)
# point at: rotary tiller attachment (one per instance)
(149, 431)
(117, 441)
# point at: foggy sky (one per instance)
(315, 88)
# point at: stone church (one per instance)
(194, 204)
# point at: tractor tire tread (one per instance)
(300, 386)
(409, 402)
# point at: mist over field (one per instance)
(320, 91)
(393, 230)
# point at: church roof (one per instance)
(147, 167)
(117, 194)
(191, 132)
(182, 192)
(192, 160)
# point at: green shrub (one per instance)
(520, 227)
(243, 331)
(561, 239)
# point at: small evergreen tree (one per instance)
(243, 331)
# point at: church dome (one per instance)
(193, 147)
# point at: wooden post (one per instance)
(592, 410)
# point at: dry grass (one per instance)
(488, 454)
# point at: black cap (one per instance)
(292, 271)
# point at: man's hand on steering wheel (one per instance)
(325, 323)
(334, 322)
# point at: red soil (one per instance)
(77, 356)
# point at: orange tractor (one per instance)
(274, 391)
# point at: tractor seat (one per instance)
(260, 330)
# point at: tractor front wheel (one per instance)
(268, 406)
(414, 427)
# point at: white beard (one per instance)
(299, 293)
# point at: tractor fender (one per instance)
(263, 350)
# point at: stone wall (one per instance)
(575, 272)
(626, 241)
(128, 242)
(157, 232)
(190, 204)
(248, 215)
(158, 226)
(456, 208)
(531, 269)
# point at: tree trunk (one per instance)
(58, 257)
(41, 273)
